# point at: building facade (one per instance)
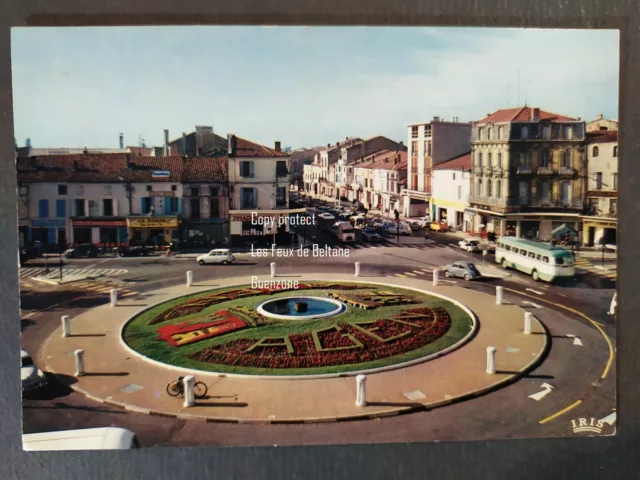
(599, 222)
(528, 173)
(601, 124)
(429, 144)
(451, 189)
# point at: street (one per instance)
(574, 372)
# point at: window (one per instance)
(246, 169)
(107, 189)
(414, 132)
(481, 133)
(500, 133)
(545, 259)
(427, 130)
(195, 207)
(565, 190)
(489, 186)
(545, 187)
(454, 176)
(568, 132)
(524, 132)
(613, 207)
(281, 168)
(479, 159)
(532, 255)
(523, 253)
(524, 193)
(546, 132)
(107, 207)
(566, 159)
(614, 181)
(499, 189)
(62, 189)
(545, 161)
(479, 190)
(61, 208)
(459, 192)
(490, 133)
(538, 257)
(148, 188)
(195, 191)
(414, 148)
(594, 151)
(79, 207)
(172, 205)
(214, 191)
(615, 151)
(146, 205)
(489, 159)
(281, 196)
(515, 250)
(499, 164)
(43, 208)
(523, 161)
(174, 188)
(427, 148)
(248, 198)
(598, 180)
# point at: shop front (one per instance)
(598, 230)
(260, 227)
(152, 231)
(109, 232)
(51, 232)
(205, 232)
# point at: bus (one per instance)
(540, 260)
(104, 438)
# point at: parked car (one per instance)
(369, 234)
(102, 438)
(218, 255)
(326, 216)
(133, 251)
(439, 226)
(466, 270)
(27, 253)
(32, 377)
(470, 245)
(400, 228)
(85, 250)
(415, 224)
(424, 221)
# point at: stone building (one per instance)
(601, 124)
(529, 172)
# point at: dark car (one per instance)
(466, 270)
(369, 234)
(85, 250)
(134, 251)
(28, 253)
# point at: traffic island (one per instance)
(133, 369)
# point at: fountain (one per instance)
(300, 308)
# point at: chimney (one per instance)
(328, 145)
(75, 165)
(278, 149)
(599, 117)
(121, 141)
(129, 160)
(33, 161)
(231, 144)
(535, 114)
(85, 152)
(184, 143)
(166, 142)
(436, 119)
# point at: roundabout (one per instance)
(421, 346)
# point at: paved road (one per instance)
(574, 371)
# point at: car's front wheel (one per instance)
(200, 262)
(535, 276)
(225, 262)
(467, 276)
(446, 273)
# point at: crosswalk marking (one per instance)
(428, 270)
(400, 275)
(71, 272)
(410, 274)
(419, 272)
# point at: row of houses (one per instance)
(132, 197)
(520, 171)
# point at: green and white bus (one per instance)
(540, 260)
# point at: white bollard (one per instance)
(189, 278)
(357, 269)
(66, 331)
(273, 269)
(436, 276)
(114, 297)
(189, 396)
(361, 397)
(498, 295)
(79, 362)
(528, 316)
(491, 360)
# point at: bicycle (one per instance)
(176, 387)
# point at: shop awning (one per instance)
(560, 232)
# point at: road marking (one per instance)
(546, 390)
(576, 340)
(562, 294)
(400, 275)
(419, 272)
(534, 291)
(535, 305)
(428, 270)
(410, 274)
(609, 419)
(557, 414)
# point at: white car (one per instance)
(326, 216)
(219, 255)
(424, 221)
(470, 245)
(32, 377)
(401, 228)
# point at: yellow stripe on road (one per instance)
(557, 414)
(410, 274)
(428, 270)
(400, 275)
(419, 272)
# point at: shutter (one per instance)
(167, 205)
(179, 205)
(142, 205)
(61, 208)
(251, 169)
(52, 236)
(43, 208)
(255, 193)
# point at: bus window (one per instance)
(500, 245)
(507, 248)
(515, 250)
(559, 260)
(532, 255)
(523, 253)
(545, 259)
(538, 257)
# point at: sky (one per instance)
(304, 86)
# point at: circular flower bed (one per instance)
(221, 331)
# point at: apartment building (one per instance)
(451, 188)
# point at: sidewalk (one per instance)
(119, 377)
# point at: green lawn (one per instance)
(144, 338)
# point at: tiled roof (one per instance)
(602, 136)
(141, 151)
(463, 162)
(521, 114)
(203, 169)
(114, 169)
(384, 160)
(246, 148)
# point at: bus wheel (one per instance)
(504, 263)
(535, 276)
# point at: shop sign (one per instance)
(49, 222)
(152, 222)
(162, 194)
(98, 223)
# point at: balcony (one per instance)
(499, 171)
(524, 170)
(567, 172)
(486, 169)
(545, 170)
(493, 201)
